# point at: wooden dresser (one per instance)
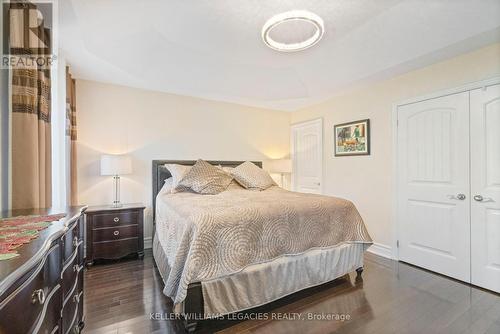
(41, 290)
(113, 233)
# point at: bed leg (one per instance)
(359, 271)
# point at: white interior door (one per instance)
(485, 187)
(307, 156)
(433, 185)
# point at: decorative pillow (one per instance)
(251, 176)
(203, 178)
(167, 187)
(234, 184)
(228, 169)
(177, 172)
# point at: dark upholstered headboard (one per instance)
(160, 173)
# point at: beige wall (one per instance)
(367, 180)
(152, 125)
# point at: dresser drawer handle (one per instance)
(116, 232)
(38, 296)
(116, 219)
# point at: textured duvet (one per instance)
(211, 236)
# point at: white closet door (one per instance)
(433, 182)
(307, 156)
(485, 184)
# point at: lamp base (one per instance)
(116, 199)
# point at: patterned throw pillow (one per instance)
(203, 178)
(177, 172)
(252, 177)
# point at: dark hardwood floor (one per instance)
(392, 298)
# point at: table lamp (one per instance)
(279, 166)
(116, 165)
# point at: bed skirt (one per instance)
(260, 284)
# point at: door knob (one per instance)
(478, 198)
(460, 197)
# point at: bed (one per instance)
(215, 253)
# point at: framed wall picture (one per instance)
(352, 138)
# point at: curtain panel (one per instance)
(31, 130)
(71, 135)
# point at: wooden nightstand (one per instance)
(113, 233)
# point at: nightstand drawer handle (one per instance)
(116, 219)
(116, 232)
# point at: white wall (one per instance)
(367, 180)
(152, 125)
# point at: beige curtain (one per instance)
(31, 133)
(71, 133)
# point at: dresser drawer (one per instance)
(113, 219)
(39, 292)
(115, 249)
(52, 313)
(69, 274)
(71, 241)
(81, 254)
(70, 312)
(116, 233)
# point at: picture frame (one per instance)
(352, 138)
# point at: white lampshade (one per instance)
(279, 166)
(115, 164)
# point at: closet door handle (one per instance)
(460, 197)
(478, 198)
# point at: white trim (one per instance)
(381, 250)
(148, 242)
(59, 152)
(455, 90)
(292, 149)
(395, 198)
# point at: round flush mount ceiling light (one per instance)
(291, 31)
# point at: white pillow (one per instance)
(167, 187)
(178, 172)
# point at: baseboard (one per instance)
(148, 243)
(381, 250)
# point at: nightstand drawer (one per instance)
(115, 249)
(115, 233)
(113, 219)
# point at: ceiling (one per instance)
(213, 49)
